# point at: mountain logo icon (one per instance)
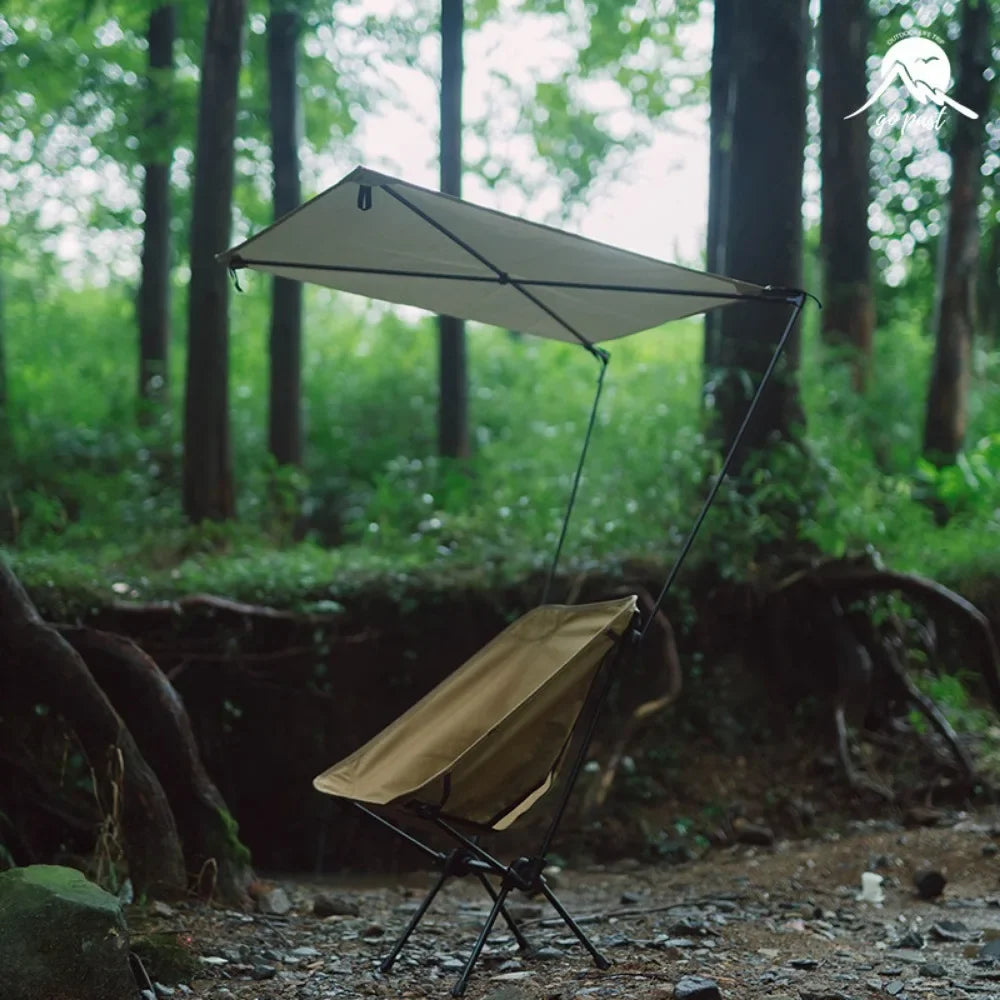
(922, 67)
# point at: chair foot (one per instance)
(599, 960)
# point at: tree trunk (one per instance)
(285, 411)
(945, 421)
(989, 286)
(721, 95)
(154, 283)
(848, 317)
(6, 444)
(40, 666)
(208, 475)
(155, 714)
(453, 418)
(763, 225)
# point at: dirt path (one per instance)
(781, 922)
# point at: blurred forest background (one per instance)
(162, 434)
(337, 460)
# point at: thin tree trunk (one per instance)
(38, 664)
(989, 287)
(285, 409)
(721, 95)
(764, 222)
(5, 436)
(208, 473)
(154, 285)
(945, 420)
(453, 418)
(848, 316)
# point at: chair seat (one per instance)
(486, 743)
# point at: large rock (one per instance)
(61, 938)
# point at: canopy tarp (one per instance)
(385, 238)
(486, 743)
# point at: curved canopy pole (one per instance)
(602, 356)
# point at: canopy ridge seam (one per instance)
(502, 275)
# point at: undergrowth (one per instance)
(92, 502)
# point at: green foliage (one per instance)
(951, 694)
(98, 499)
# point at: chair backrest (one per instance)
(484, 745)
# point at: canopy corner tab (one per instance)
(793, 296)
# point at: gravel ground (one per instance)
(779, 922)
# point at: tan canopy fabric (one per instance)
(382, 237)
(486, 743)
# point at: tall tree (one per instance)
(154, 282)
(945, 420)
(285, 390)
(721, 93)
(763, 221)
(208, 475)
(453, 406)
(848, 316)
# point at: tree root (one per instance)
(868, 661)
(122, 709)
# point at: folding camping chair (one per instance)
(487, 744)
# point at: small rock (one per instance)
(163, 991)
(618, 941)
(630, 898)
(373, 930)
(911, 939)
(326, 905)
(160, 909)
(930, 883)
(697, 988)
(990, 850)
(895, 987)
(509, 991)
(950, 930)
(274, 902)
(547, 954)
(261, 972)
(752, 833)
(803, 963)
(990, 950)
(934, 970)
(923, 816)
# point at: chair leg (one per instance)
(388, 961)
(522, 941)
(463, 980)
(599, 960)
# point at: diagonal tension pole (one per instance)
(797, 298)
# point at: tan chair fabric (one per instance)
(485, 743)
